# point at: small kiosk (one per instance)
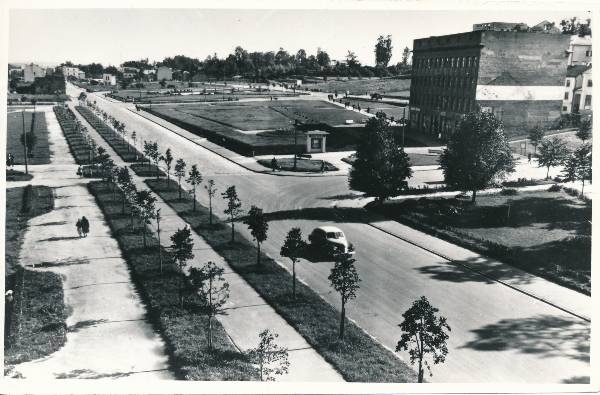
(316, 141)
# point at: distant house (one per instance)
(164, 73)
(129, 72)
(81, 75)
(580, 51)
(545, 27)
(33, 71)
(71, 71)
(149, 74)
(109, 79)
(578, 90)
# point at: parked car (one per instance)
(327, 241)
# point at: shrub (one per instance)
(509, 191)
(554, 188)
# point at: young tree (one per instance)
(211, 190)
(180, 172)
(585, 130)
(425, 333)
(258, 225)
(405, 56)
(345, 280)
(195, 179)
(552, 153)
(213, 288)
(477, 153)
(383, 51)
(578, 166)
(123, 181)
(131, 197)
(293, 248)
(148, 151)
(155, 156)
(147, 210)
(381, 166)
(271, 359)
(536, 135)
(234, 207)
(134, 138)
(168, 159)
(182, 245)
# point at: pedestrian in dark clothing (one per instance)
(274, 164)
(85, 226)
(322, 166)
(529, 157)
(79, 227)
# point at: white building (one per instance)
(580, 51)
(33, 71)
(578, 90)
(164, 73)
(128, 72)
(109, 79)
(81, 75)
(71, 71)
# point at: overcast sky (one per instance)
(111, 36)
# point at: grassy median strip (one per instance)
(146, 170)
(358, 358)
(77, 142)
(121, 147)
(35, 319)
(184, 329)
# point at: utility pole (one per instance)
(25, 142)
(403, 124)
(158, 233)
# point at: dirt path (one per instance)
(108, 335)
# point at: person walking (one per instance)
(529, 157)
(322, 166)
(79, 227)
(85, 226)
(274, 164)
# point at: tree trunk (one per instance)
(194, 210)
(473, 196)
(342, 319)
(258, 253)
(548, 172)
(420, 370)
(179, 183)
(210, 211)
(294, 279)
(582, 185)
(210, 345)
(144, 233)
(123, 204)
(232, 234)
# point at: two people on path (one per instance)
(83, 226)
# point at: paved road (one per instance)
(498, 334)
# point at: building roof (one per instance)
(317, 133)
(574, 71)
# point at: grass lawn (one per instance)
(184, 329)
(358, 358)
(415, 159)
(15, 175)
(41, 149)
(287, 164)
(545, 233)
(78, 144)
(569, 138)
(39, 328)
(146, 170)
(387, 86)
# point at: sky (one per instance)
(111, 36)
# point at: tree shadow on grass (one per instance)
(343, 196)
(63, 262)
(60, 238)
(85, 324)
(546, 335)
(52, 223)
(332, 214)
(577, 380)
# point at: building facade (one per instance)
(578, 90)
(109, 79)
(519, 76)
(164, 73)
(71, 71)
(33, 71)
(580, 51)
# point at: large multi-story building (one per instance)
(71, 71)
(33, 71)
(517, 75)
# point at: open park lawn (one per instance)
(303, 165)
(205, 94)
(41, 149)
(358, 358)
(545, 233)
(263, 127)
(387, 86)
(415, 159)
(39, 328)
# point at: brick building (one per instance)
(517, 75)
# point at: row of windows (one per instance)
(589, 83)
(444, 81)
(443, 103)
(452, 62)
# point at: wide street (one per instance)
(498, 333)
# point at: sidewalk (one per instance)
(107, 332)
(248, 314)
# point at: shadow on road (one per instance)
(546, 335)
(332, 214)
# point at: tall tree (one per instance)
(552, 153)
(352, 60)
(211, 190)
(578, 166)
(345, 280)
(293, 248)
(424, 333)
(124, 181)
(381, 166)
(168, 159)
(180, 173)
(258, 225)
(323, 58)
(147, 210)
(585, 130)
(234, 207)
(214, 289)
(383, 50)
(272, 359)
(405, 56)
(536, 135)
(476, 154)
(181, 246)
(195, 179)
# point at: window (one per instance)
(588, 53)
(568, 82)
(564, 108)
(589, 83)
(566, 95)
(588, 101)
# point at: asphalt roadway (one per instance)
(499, 335)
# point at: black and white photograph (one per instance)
(303, 197)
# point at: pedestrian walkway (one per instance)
(247, 313)
(107, 332)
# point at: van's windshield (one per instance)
(334, 235)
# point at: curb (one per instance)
(454, 262)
